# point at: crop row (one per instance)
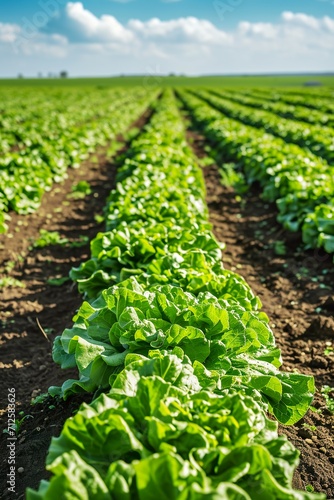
(186, 363)
(51, 143)
(280, 108)
(301, 184)
(317, 138)
(320, 101)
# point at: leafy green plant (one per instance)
(315, 410)
(48, 238)
(78, 243)
(130, 318)
(9, 266)
(231, 177)
(327, 393)
(99, 218)
(329, 351)
(41, 398)
(280, 248)
(80, 190)
(161, 431)
(207, 161)
(58, 281)
(9, 282)
(18, 423)
(310, 427)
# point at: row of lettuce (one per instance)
(319, 98)
(39, 142)
(300, 182)
(317, 138)
(281, 108)
(182, 361)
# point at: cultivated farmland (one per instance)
(167, 291)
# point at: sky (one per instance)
(153, 37)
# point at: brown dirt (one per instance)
(292, 288)
(26, 361)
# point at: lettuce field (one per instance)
(166, 292)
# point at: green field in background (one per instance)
(178, 81)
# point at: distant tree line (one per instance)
(62, 74)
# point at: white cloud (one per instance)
(265, 30)
(302, 19)
(14, 37)
(9, 32)
(296, 33)
(106, 28)
(323, 24)
(328, 24)
(84, 25)
(51, 45)
(182, 30)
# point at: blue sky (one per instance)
(193, 36)
(250, 10)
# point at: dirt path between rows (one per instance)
(26, 362)
(297, 293)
